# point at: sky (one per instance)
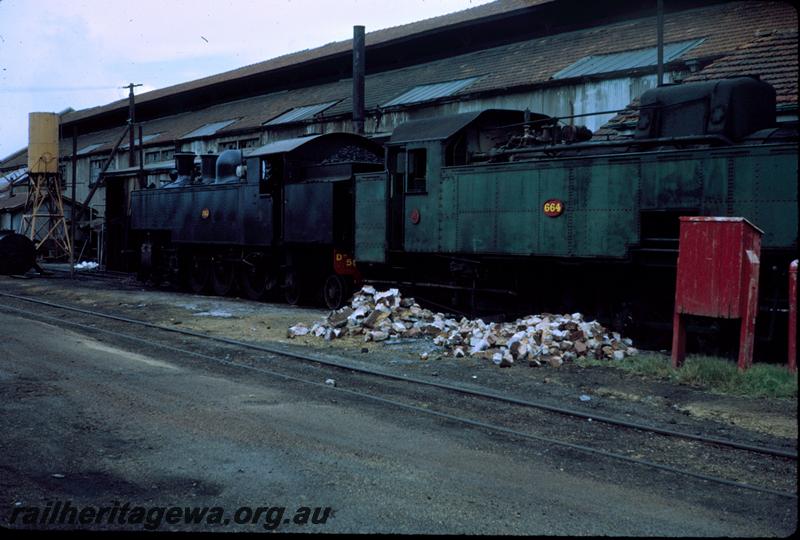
(56, 54)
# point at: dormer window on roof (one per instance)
(209, 129)
(428, 92)
(298, 114)
(625, 60)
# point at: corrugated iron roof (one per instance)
(209, 129)
(145, 139)
(378, 37)
(279, 147)
(9, 204)
(622, 61)
(428, 92)
(443, 127)
(89, 148)
(15, 177)
(772, 56)
(298, 114)
(289, 145)
(153, 167)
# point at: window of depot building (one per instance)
(95, 166)
(152, 157)
(239, 145)
(167, 155)
(417, 171)
(248, 143)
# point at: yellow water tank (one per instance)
(42, 142)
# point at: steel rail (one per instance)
(778, 452)
(418, 409)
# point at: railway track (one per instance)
(768, 470)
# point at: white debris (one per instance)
(330, 382)
(377, 335)
(399, 327)
(215, 313)
(86, 265)
(542, 339)
(555, 361)
(298, 330)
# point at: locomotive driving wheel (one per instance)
(292, 290)
(199, 274)
(222, 277)
(256, 281)
(335, 291)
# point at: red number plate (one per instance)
(553, 208)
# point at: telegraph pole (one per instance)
(131, 120)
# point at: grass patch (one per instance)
(715, 374)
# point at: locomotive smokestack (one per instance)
(358, 79)
(208, 167)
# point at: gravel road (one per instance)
(101, 424)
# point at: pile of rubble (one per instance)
(537, 339)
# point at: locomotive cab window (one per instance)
(397, 162)
(397, 170)
(417, 167)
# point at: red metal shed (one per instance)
(718, 262)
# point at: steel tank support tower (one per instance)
(43, 221)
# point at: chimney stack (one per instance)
(358, 79)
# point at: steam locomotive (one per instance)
(494, 207)
(279, 220)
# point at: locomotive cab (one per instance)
(401, 210)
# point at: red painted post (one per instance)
(793, 316)
(678, 340)
(749, 310)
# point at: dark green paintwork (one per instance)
(370, 234)
(497, 208)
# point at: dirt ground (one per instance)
(612, 392)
